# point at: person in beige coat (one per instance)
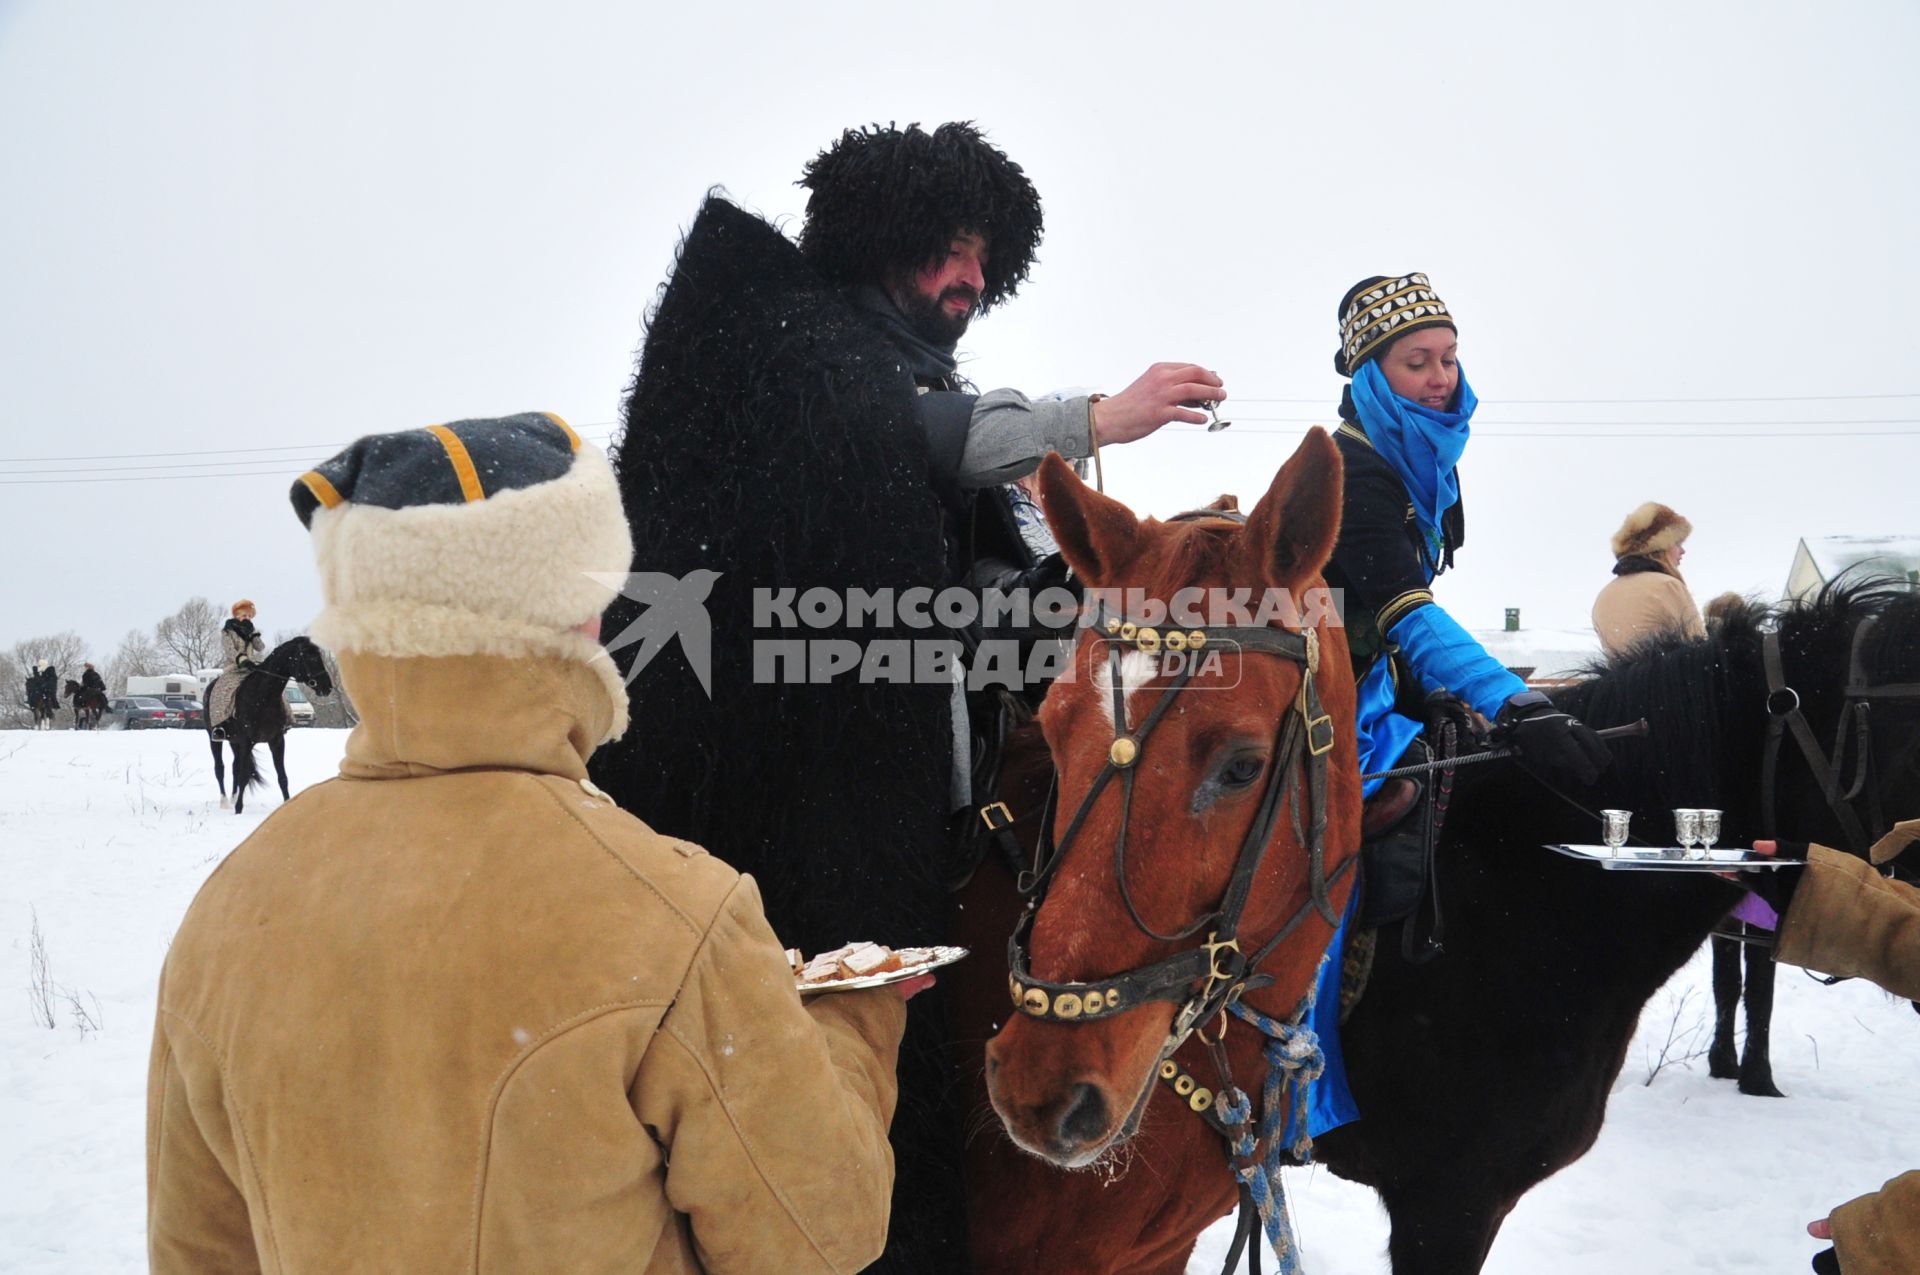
(456, 1011)
(1839, 915)
(244, 648)
(1647, 595)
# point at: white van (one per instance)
(299, 710)
(165, 684)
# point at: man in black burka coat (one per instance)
(797, 422)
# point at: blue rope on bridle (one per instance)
(1294, 1061)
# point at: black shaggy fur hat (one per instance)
(887, 199)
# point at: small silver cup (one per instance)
(1686, 828)
(1613, 829)
(1709, 832)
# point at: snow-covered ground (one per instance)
(105, 837)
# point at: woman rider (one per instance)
(1404, 424)
(244, 649)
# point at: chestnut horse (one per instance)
(1181, 813)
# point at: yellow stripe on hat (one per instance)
(323, 491)
(565, 428)
(462, 463)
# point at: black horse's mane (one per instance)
(1694, 693)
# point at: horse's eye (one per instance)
(1243, 770)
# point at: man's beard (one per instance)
(928, 316)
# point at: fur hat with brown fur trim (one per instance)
(482, 537)
(1648, 530)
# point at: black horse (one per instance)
(260, 715)
(1486, 1069)
(1852, 764)
(89, 705)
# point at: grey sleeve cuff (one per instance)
(1009, 434)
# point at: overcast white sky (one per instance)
(247, 226)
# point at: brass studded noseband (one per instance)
(1204, 979)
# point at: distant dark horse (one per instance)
(88, 705)
(260, 715)
(1487, 1069)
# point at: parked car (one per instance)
(140, 712)
(190, 709)
(299, 709)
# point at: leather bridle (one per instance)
(1784, 717)
(1204, 979)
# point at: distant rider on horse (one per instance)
(244, 648)
(43, 691)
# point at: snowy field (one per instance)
(105, 837)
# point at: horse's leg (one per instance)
(278, 747)
(1756, 1060)
(1723, 1060)
(243, 769)
(1440, 1229)
(219, 767)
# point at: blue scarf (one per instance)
(1422, 445)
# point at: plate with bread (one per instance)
(857, 965)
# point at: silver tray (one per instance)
(913, 964)
(1675, 859)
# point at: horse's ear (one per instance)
(1097, 534)
(1292, 530)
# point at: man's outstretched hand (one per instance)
(1154, 399)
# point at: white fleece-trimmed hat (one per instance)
(480, 537)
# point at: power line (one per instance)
(33, 477)
(1481, 424)
(1482, 434)
(330, 448)
(325, 448)
(1707, 429)
(29, 478)
(1535, 402)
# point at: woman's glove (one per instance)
(1551, 740)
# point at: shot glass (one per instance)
(1709, 832)
(1613, 829)
(1686, 828)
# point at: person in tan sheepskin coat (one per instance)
(1647, 594)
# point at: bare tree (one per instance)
(138, 656)
(13, 693)
(63, 650)
(190, 637)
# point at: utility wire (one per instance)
(33, 477)
(1486, 429)
(1480, 424)
(324, 448)
(25, 478)
(1494, 402)
(330, 448)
